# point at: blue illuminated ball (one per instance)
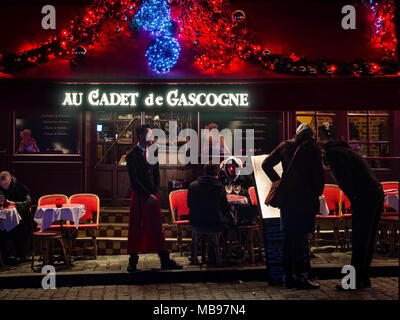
(154, 16)
(163, 53)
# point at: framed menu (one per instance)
(52, 133)
(263, 185)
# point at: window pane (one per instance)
(326, 128)
(305, 112)
(379, 129)
(310, 120)
(361, 148)
(379, 150)
(357, 112)
(358, 128)
(378, 112)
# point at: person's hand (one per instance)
(151, 199)
(12, 203)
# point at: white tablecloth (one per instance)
(323, 207)
(9, 219)
(46, 215)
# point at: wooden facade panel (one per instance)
(123, 185)
(104, 184)
(49, 177)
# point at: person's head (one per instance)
(144, 135)
(5, 179)
(211, 126)
(211, 169)
(26, 134)
(304, 132)
(230, 165)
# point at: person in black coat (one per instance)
(304, 183)
(354, 176)
(145, 231)
(17, 194)
(207, 202)
(208, 207)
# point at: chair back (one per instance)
(390, 185)
(92, 205)
(332, 196)
(51, 199)
(253, 196)
(178, 204)
(347, 203)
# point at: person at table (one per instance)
(230, 175)
(17, 195)
(303, 186)
(145, 223)
(354, 176)
(208, 205)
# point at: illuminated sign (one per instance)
(173, 98)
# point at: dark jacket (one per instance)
(304, 182)
(19, 193)
(144, 177)
(208, 205)
(350, 170)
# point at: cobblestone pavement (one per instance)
(151, 261)
(382, 289)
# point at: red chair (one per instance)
(179, 212)
(47, 239)
(387, 187)
(51, 199)
(253, 196)
(347, 218)
(332, 221)
(90, 221)
(389, 234)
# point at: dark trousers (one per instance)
(294, 246)
(163, 255)
(20, 238)
(366, 213)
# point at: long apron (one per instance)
(145, 232)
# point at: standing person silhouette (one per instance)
(145, 224)
(304, 183)
(354, 176)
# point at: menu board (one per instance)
(263, 185)
(264, 124)
(47, 133)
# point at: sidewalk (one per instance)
(110, 270)
(382, 289)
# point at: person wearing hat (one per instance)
(354, 176)
(304, 183)
(17, 194)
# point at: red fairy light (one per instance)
(293, 57)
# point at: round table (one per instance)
(9, 218)
(47, 214)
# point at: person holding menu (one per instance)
(145, 232)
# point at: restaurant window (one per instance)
(265, 125)
(322, 122)
(47, 133)
(369, 134)
(116, 131)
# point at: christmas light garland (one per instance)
(218, 35)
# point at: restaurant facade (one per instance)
(82, 140)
